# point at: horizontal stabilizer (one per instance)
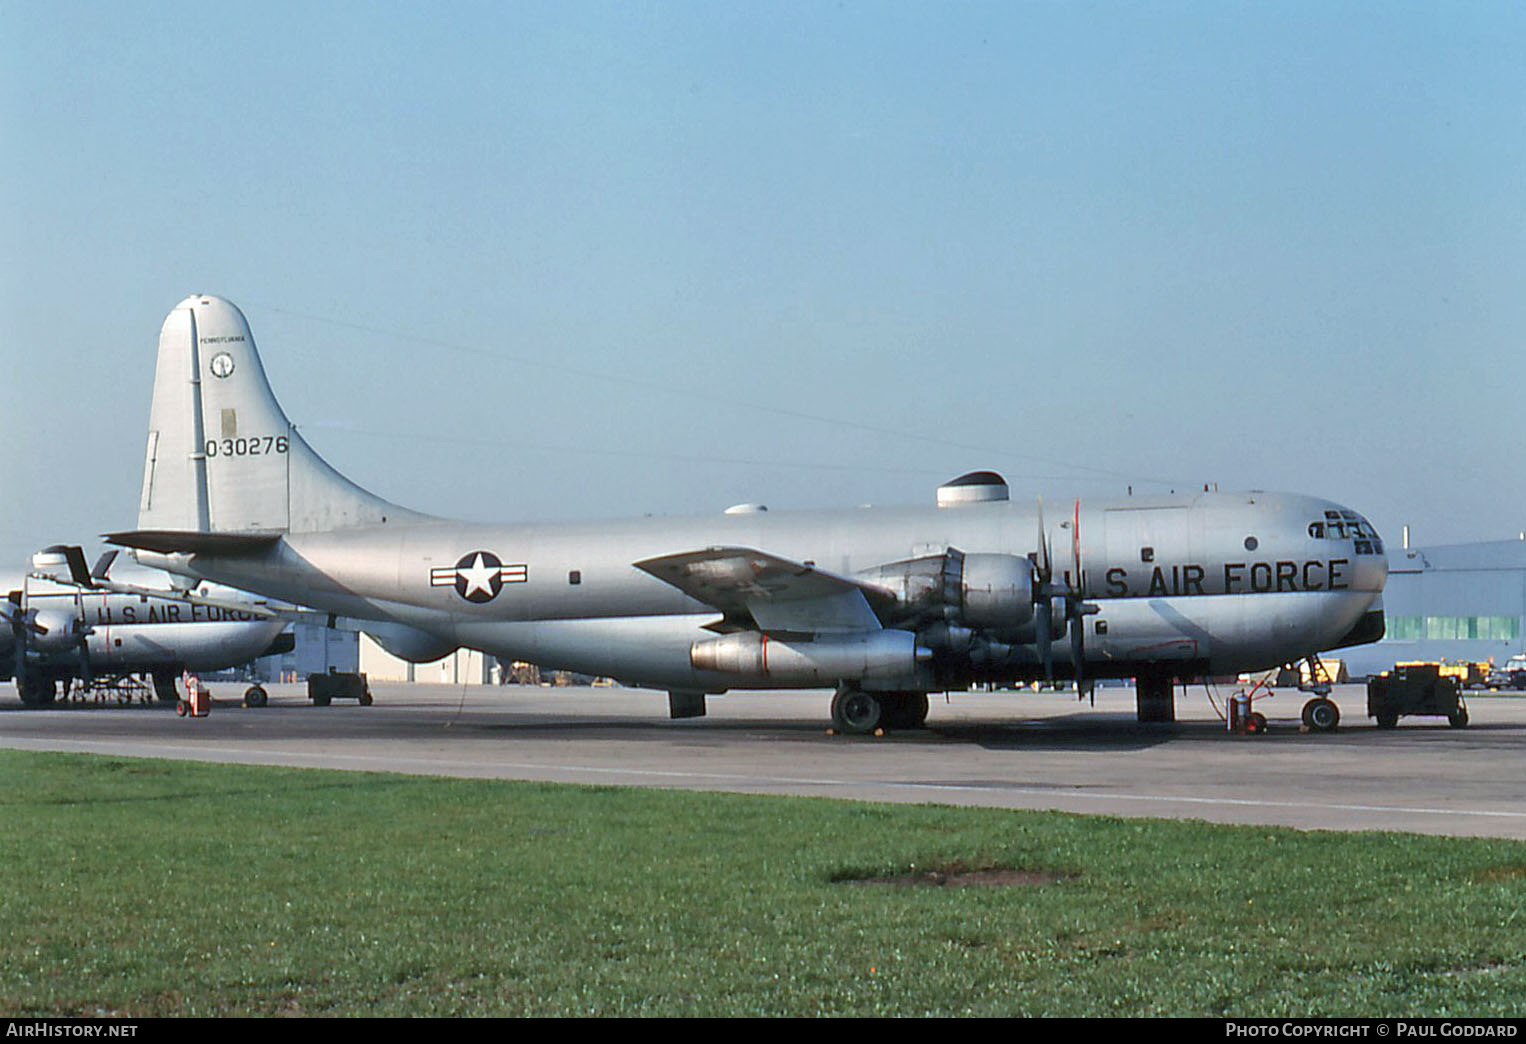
(103, 564)
(74, 557)
(193, 542)
(778, 593)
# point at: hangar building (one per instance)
(1449, 602)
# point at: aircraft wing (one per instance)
(780, 595)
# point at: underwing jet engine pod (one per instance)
(64, 623)
(884, 605)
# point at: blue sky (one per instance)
(553, 261)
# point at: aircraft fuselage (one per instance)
(1207, 583)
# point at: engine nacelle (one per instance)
(925, 588)
(55, 631)
(997, 593)
(987, 592)
(409, 643)
(876, 657)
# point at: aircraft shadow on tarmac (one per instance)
(1090, 734)
(1081, 733)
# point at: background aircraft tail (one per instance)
(222, 456)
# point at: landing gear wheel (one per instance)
(255, 696)
(38, 693)
(856, 712)
(1321, 715)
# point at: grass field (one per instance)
(168, 888)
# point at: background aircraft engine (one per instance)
(886, 658)
(10, 629)
(55, 630)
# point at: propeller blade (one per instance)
(1046, 567)
(1042, 622)
(1078, 653)
(1075, 552)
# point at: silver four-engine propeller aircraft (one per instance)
(885, 605)
(63, 624)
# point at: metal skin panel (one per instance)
(1208, 581)
(207, 646)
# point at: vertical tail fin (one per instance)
(222, 456)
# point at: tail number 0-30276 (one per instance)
(254, 446)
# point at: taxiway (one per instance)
(1003, 749)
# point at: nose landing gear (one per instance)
(1321, 715)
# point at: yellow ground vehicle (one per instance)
(1468, 675)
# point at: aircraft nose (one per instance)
(1369, 559)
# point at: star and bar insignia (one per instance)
(479, 576)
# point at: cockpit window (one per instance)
(1347, 525)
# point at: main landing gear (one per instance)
(1155, 697)
(37, 692)
(1321, 715)
(164, 687)
(858, 713)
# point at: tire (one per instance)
(856, 712)
(365, 698)
(1388, 720)
(1459, 718)
(182, 708)
(42, 693)
(1255, 725)
(255, 696)
(1321, 715)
